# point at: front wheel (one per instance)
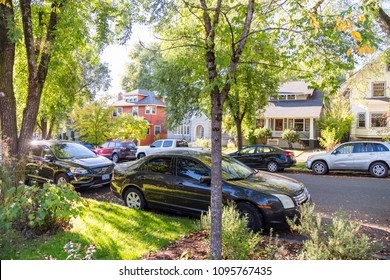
(319, 168)
(141, 155)
(115, 158)
(62, 179)
(134, 199)
(379, 169)
(252, 214)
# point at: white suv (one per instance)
(372, 156)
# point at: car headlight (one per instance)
(78, 170)
(286, 201)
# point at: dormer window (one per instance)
(131, 99)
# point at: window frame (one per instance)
(373, 89)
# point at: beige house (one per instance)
(369, 94)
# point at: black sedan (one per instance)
(180, 182)
(271, 158)
(67, 162)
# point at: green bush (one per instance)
(35, 210)
(263, 134)
(328, 139)
(238, 243)
(337, 240)
(291, 136)
(204, 143)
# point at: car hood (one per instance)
(270, 183)
(91, 162)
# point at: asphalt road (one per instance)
(365, 199)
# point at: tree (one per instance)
(203, 47)
(92, 122)
(291, 136)
(45, 29)
(128, 127)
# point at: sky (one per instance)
(117, 56)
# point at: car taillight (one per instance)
(288, 154)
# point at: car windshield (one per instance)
(71, 150)
(232, 169)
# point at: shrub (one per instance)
(263, 134)
(238, 243)
(291, 136)
(35, 210)
(337, 240)
(204, 143)
(328, 139)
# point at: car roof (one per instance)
(52, 142)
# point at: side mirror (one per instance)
(48, 157)
(205, 180)
(335, 152)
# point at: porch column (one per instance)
(266, 125)
(311, 128)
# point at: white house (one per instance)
(296, 107)
(369, 94)
(196, 127)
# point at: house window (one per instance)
(361, 117)
(157, 129)
(278, 124)
(118, 112)
(307, 124)
(388, 67)
(130, 99)
(150, 110)
(378, 120)
(135, 111)
(148, 131)
(282, 97)
(378, 89)
(298, 126)
(290, 97)
(182, 130)
(290, 124)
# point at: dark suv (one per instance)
(117, 150)
(67, 162)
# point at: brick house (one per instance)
(145, 104)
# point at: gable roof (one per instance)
(149, 99)
(309, 108)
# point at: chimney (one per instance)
(120, 96)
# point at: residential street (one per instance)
(365, 199)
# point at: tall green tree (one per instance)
(204, 45)
(128, 127)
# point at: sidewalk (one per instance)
(302, 157)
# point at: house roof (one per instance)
(295, 87)
(309, 108)
(149, 99)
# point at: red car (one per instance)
(117, 150)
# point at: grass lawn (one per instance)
(118, 232)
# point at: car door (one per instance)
(40, 165)
(247, 156)
(156, 178)
(342, 157)
(363, 155)
(190, 194)
(156, 147)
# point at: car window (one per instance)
(105, 145)
(160, 165)
(130, 145)
(264, 149)
(119, 145)
(345, 149)
(71, 150)
(167, 143)
(380, 148)
(191, 169)
(156, 144)
(248, 150)
(360, 148)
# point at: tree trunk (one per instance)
(239, 132)
(216, 176)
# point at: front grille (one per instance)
(103, 170)
(302, 197)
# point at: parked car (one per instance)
(117, 150)
(270, 158)
(67, 162)
(87, 145)
(370, 156)
(179, 181)
(160, 146)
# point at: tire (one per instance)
(379, 169)
(272, 166)
(141, 155)
(255, 219)
(62, 178)
(133, 198)
(319, 167)
(115, 157)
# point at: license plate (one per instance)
(106, 177)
